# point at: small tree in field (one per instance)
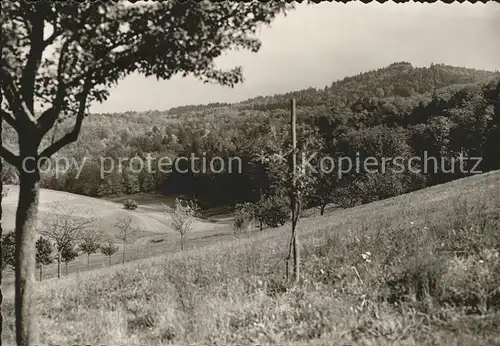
(125, 231)
(243, 217)
(90, 243)
(8, 249)
(68, 254)
(130, 204)
(43, 254)
(183, 216)
(64, 229)
(274, 211)
(294, 184)
(259, 213)
(7, 253)
(108, 248)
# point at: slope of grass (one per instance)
(149, 216)
(418, 269)
(155, 235)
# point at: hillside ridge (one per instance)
(452, 74)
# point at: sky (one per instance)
(317, 44)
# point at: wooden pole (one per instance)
(294, 138)
(294, 202)
(296, 252)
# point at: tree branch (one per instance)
(123, 57)
(16, 103)
(9, 119)
(75, 132)
(52, 37)
(33, 60)
(49, 117)
(8, 156)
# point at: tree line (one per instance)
(443, 124)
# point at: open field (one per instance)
(149, 216)
(431, 277)
(155, 237)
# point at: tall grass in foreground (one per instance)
(409, 271)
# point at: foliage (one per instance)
(81, 51)
(44, 251)
(8, 249)
(130, 204)
(442, 123)
(125, 231)
(182, 216)
(274, 210)
(9, 174)
(394, 81)
(108, 248)
(125, 227)
(69, 253)
(90, 243)
(66, 228)
(243, 217)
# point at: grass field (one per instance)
(155, 237)
(417, 269)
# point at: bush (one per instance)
(130, 204)
(8, 251)
(242, 218)
(275, 211)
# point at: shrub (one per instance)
(242, 218)
(183, 216)
(130, 204)
(275, 211)
(8, 250)
(43, 254)
(108, 249)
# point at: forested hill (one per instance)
(399, 79)
(398, 110)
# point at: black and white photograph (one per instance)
(199, 173)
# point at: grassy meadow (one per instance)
(155, 235)
(418, 269)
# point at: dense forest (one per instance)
(397, 111)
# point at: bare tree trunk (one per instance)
(59, 264)
(182, 241)
(123, 253)
(322, 212)
(88, 261)
(40, 271)
(26, 219)
(289, 256)
(1, 231)
(296, 248)
(260, 225)
(66, 266)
